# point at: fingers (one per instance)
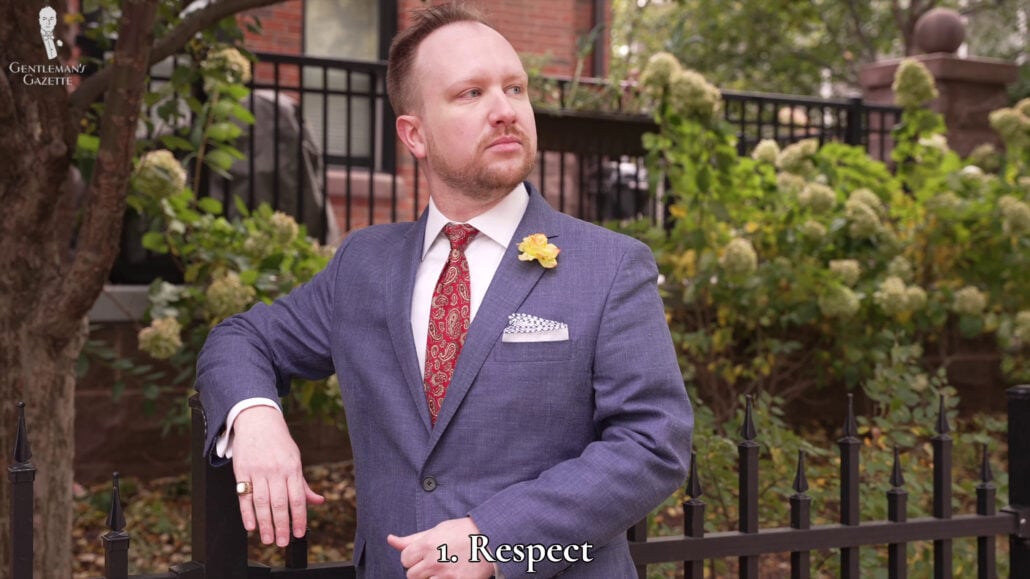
(279, 502)
(396, 542)
(297, 490)
(246, 505)
(311, 496)
(261, 504)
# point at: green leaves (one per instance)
(787, 322)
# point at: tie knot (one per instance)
(460, 235)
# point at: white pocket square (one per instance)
(527, 328)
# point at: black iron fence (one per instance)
(323, 148)
(219, 542)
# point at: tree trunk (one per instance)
(56, 250)
(42, 371)
(58, 239)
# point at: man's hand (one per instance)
(264, 454)
(420, 552)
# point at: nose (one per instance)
(501, 110)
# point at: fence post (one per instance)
(985, 505)
(22, 475)
(1019, 478)
(638, 534)
(897, 512)
(942, 445)
(850, 514)
(800, 518)
(853, 133)
(747, 483)
(219, 540)
(116, 541)
(694, 518)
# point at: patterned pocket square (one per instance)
(527, 328)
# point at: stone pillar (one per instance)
(970, 88)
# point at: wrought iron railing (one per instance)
(324, 137)
(219, 542)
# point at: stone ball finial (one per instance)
(940, 30)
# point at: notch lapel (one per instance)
(510, 286)
(402, 275)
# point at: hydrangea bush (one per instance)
(808, 270)
(795, 268)
(227, 265)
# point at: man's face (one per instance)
(474, 110)
(47, 21)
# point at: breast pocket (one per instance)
(529, 352)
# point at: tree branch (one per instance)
(94, 86)
(98, 240)
(863, 38)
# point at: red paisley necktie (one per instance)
(449, 315)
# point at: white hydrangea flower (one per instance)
(284, 227)
(739, 257)
(891, 296)
(900, 267)
(817, 197)
(161, 339)
(838, 301)
(848, 270)
(228, 295)
(159, 175)
(969, 301)
(766, 151)
(813, 230)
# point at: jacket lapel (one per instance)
(511, 285)
(402, 274)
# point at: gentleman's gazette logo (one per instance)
(47, 74)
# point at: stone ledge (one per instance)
(120, 303)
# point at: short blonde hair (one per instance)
(399, 79)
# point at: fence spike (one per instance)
(116, 517)
(22, 451)
(800, 482)
(693, 481)
(850, 426)
(942, 419)
(986, 475)
(748, 432)
(897, 477)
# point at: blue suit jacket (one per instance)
(541, 443)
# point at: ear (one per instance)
(409, 130)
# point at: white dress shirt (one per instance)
(496, 228)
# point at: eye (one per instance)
(473, 93)
(516, 89)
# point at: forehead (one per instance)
(465, 49)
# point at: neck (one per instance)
(460, 206)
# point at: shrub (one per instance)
(791, 270)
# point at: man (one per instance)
(510, 414)
(47, 23)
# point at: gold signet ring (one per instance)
(244, 488)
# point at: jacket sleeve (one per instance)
(644, 422)
(257, 353)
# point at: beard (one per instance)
(479, 179)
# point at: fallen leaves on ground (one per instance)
(157, 516)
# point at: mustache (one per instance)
(510, 131)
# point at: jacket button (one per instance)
(429, 484)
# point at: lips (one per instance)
(506, 143)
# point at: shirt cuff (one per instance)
(223, 446)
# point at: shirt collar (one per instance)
(499, 223)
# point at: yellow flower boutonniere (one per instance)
(536, 247)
